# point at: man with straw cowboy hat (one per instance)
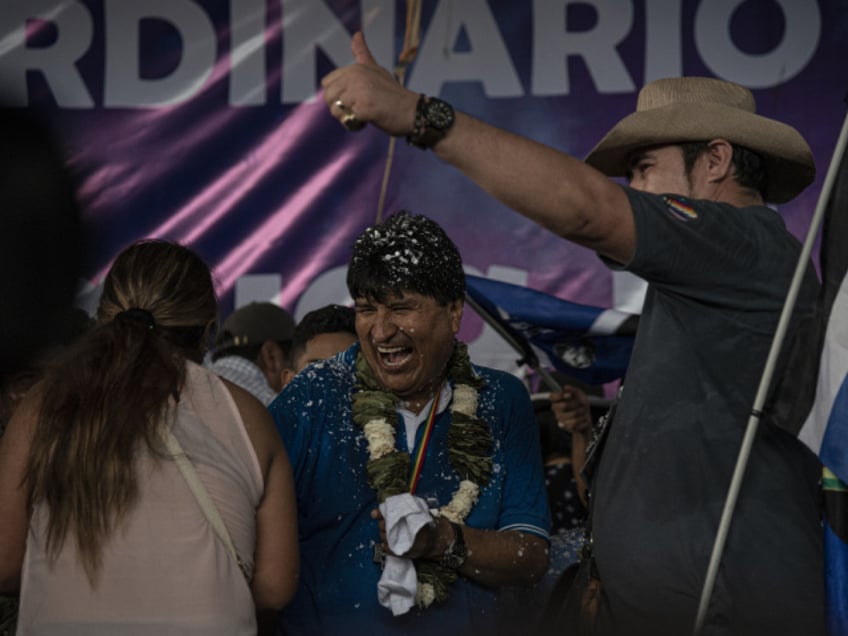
(700, 165)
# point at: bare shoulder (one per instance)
(246, 402)
(22, 424)
(258, 424)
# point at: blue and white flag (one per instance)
(826, 427)
(591, 344)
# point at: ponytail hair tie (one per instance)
(136, 313)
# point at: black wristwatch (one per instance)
(456, 552)
(433, 119)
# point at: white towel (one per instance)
(404, 515)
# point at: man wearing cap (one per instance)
(701, 164)
(253, 348)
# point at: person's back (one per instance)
(163, 571)
(118, 542)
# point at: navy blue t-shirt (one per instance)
(718, 277)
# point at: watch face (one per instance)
(461, 552)
(453, 562)
(456, 552)
(454, 557)
(439, 114)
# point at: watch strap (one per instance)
(424, 135)
(456, 552)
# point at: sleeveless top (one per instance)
(164, 571)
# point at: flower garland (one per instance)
(469, 452)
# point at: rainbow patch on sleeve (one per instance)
(680, 209)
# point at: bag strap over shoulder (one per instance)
(210, 510)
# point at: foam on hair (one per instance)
(406, 253)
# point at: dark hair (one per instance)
(749, 167)
(406, 253)
(327, 319)
(111, 390)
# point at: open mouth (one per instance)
(394, 357)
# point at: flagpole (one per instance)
(765, 381)
(527, 356)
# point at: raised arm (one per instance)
(554, 189)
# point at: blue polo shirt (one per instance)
(338, 581)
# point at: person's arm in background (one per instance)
(573, 414)
(554, 189)
(277, 559)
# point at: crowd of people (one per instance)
(355, 472)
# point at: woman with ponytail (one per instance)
(103, 524)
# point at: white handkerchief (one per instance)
(398, 585)
(404, 515)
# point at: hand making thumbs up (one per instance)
(364, 92)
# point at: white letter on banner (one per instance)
(553, 44)
(488, 61)
(308, 24)
(74, 30)
(802, 22)
(122, 86)
(663, 50)
(247, 52)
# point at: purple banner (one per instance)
(202, 121)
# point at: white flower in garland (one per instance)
(463, 501)
(425, 595)
(464, 400)
(381, 438)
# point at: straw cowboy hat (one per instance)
(682, 109)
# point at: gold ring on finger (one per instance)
(339, 104)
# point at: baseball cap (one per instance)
(255, 323)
